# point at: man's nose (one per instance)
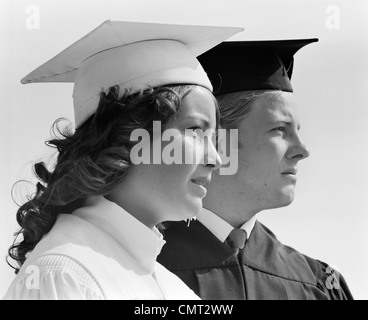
(298, 150)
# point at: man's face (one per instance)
(269, 151)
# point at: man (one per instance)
(253, 86)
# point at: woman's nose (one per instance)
(212, 158)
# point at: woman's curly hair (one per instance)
(91, 161)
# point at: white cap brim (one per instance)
(133, 55)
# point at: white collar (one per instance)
(143, 243)
(221, 228)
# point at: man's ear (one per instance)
(227, 147)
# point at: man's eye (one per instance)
(282, 129)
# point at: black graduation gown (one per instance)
(264, 269)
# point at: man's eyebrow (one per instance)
(286, 121)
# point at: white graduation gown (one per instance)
(99, 251)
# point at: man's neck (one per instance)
(233, 205)
(221, 228)
(229, 211)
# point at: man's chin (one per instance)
(284, 200)
(287, 200)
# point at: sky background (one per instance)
(328, 219)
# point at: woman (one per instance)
(90, 231)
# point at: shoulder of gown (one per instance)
(285, 261)
(263, 252)
(54, 277)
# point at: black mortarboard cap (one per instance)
(252, 65)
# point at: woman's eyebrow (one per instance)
(201, 119)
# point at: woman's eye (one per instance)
(199, 133)
(195, 129)
(196, 132)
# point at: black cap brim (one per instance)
(252, 65)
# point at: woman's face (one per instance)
(173, 192)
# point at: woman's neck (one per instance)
(131, 200)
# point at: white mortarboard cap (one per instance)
(133, 55)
